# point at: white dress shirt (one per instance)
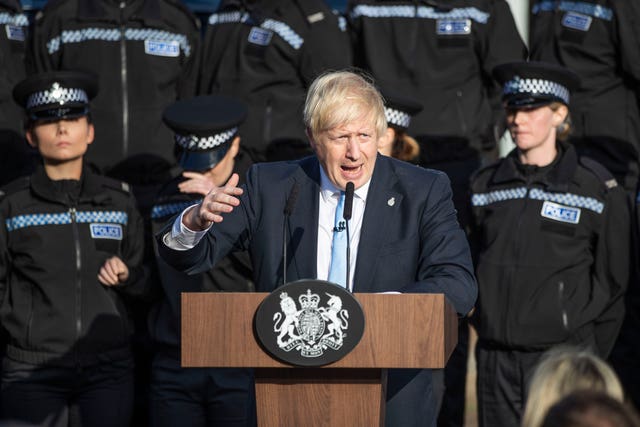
(329, 196)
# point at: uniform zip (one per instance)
(563, 311)
(516, 253)
(123, 77)
(76, 239)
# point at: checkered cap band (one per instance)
(82, 217)
(115, 35)
(589, 9)
(567, 199)
(424, 12)
(535, 87)
(199, 143)
(170, 209)
(57, 94)
(397, 117)
(19, 19)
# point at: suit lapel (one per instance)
(382, 204)
(303, 223)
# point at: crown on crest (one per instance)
(309, 300)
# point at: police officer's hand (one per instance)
(197, 183)
(220, 200)
(113, 272)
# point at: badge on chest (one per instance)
(557, 212)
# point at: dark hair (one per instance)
(588, 408)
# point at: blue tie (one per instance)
(338, 268)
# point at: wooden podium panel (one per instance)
(401, 331)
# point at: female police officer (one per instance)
(550, 233)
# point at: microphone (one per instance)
(346, 214)
(288, 209)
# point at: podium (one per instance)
(401, 331)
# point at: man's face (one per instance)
(348, 152)
(61, 140)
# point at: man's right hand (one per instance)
(220, 200)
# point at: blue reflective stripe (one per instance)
(20, 19)
(590, 9)
(114, 35)
(83, 217)
(228, 18)
(484, 199)
(284, 31)
(170, 209)
(567, 199)
(280, 28)
(370, 11)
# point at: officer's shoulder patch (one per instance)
(315, 17)
(603, 174)
(116, 184)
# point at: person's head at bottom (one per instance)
(344, 117)
(588, 408)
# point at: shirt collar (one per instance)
(327, 189)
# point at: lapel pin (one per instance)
(391, 201)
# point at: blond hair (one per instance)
(562, 371)
(339, 97)
(405, 147)
(564, 130)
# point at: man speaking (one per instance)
(403, 233)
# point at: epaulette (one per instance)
(603, 174)
(116, 184)
(14, 186)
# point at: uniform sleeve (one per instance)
(612, 267)
(628, 17)
(501, 43)
(4, 254)
(42, 50)
(188, 82)
(133, 254)
(445, 264)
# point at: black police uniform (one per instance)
(598, 40)
(197, 396)
(146, 54)
(69, 335)
(551, 245)
(267, 53)
(398, 110)
(16, 158)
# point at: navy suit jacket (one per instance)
(410, 239)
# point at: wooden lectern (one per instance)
(401, 331)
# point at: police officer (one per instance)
(551, 238)
(16, 159)
(207, 147)
(146, 54)
(71, 246)
(267, 53)
(598, 40)
(398, 110)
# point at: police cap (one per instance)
(398, 109)
(204, 127)
(56, 95)
(532, 84)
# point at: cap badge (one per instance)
(56, 93)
